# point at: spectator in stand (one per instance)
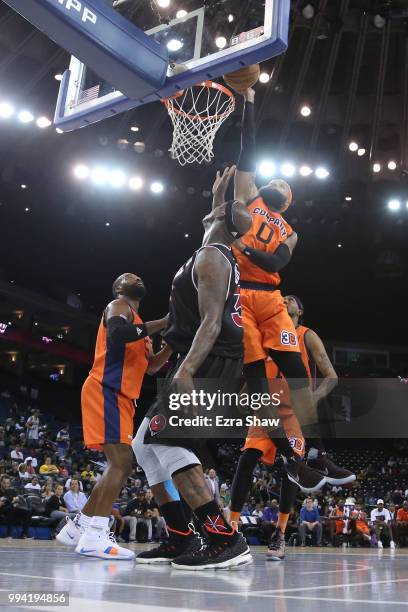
(12, 509)
(381, 521)
(402, 523)
(55, 506)
(87, 474)
(48, 467)
(258, 511)
(226, 512)
(30, 467)
(62, 468)
(33, 486)
(336, 521)
(358, 526)
(17, 454)
(32, 427)
(63, 441)
(269, 518)
(76, 477)
(211, 480)
(150, 512)
(310, 522)
(3, 438)
(23, 472)
(74, 499)
(225, 494)
(47, 490)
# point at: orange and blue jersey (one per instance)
(121, 366)
(113, 384)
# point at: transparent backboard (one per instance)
(204, 39)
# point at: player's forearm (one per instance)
(327, 385)
(203, 342)
(270, 262)
(246, 166)
(158, 360)
(122, 332)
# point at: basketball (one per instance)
(243, 79)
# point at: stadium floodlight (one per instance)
(353, 146)
(156, 187)
(25, 116)
(288, 169)
(6, 110)
(81, 171)
(394, 205)
(135, 183)
(321, 173)
(267, 169)
(305, 170)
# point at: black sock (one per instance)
(175, 518)
(215, 525)
(288, 494)
(243, 478)
(317, 445)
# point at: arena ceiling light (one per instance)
(135, 183)
(81, 171)
(267, 169)
(25, 116)
(305, 170)
(348, 198)
(361, 151)
(353, 146)
(163, 3)
(117, 178)
(58, 77)
(305, 111)
(264, 77)
(99, 175)
(231, 18)
(392, 165)
(174, 45)
(288, 169)
(221, 42)
(134, 128)
(6, 110)
(376, 167)
(394, 205)
(156, 187)
(321, 172)
(181, 13)
(43, 122)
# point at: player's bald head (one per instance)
(128, 285)
(277, 195)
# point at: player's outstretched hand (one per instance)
(249, 95)
(221, 184)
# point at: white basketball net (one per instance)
(197, 113)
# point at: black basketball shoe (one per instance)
(276, 546)
(306, 478)
(218, 554)
(175, 546)
(334, 474)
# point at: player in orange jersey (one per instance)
(268, 329)
(259, 446)
(123, 355)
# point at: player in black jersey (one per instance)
(205, 330)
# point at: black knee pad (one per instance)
(292, 367)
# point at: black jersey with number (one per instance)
(185, 319)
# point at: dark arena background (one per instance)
(79, 208)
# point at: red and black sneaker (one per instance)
(219, 553)
(177, 544)
(334, 474)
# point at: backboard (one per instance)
(204, 39)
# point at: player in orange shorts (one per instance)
(123, 355)
(260, 447)
(268, 329)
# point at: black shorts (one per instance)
(219, 373)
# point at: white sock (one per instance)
(98, 525)
(84, 520)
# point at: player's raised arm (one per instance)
(330, 379)
(121, 330)
(245, 188)
(220, 186)
(270, 262)
(212, 273)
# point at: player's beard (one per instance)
(134, 291)
(273, 198)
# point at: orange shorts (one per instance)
(258, 438)
(267, 324)
(107, 416)
(360, 526)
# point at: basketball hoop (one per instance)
(197, 113)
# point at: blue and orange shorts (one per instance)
(107, 415)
